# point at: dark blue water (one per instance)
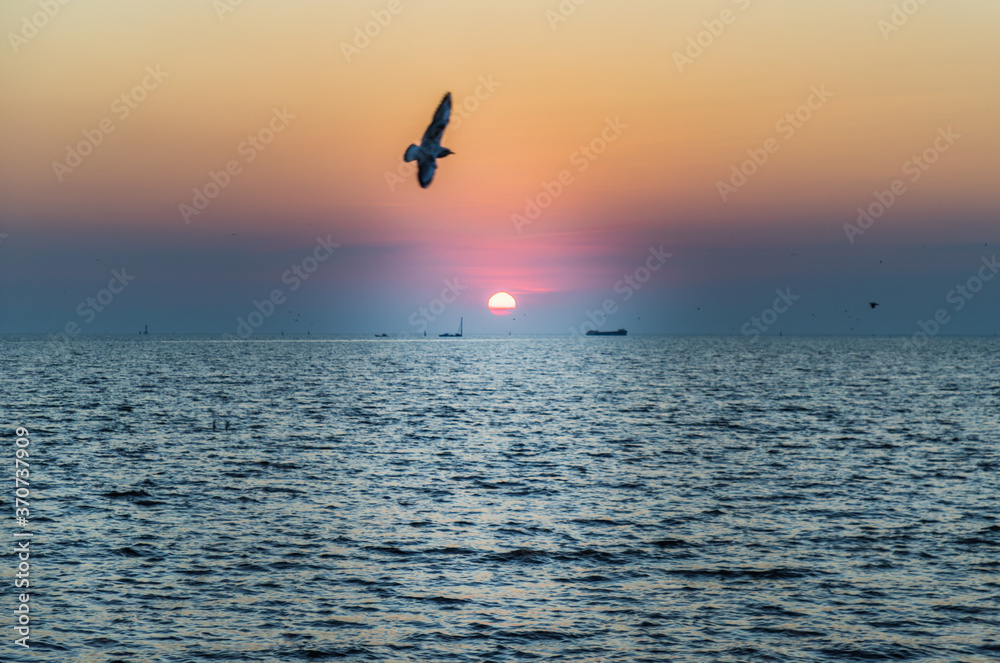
(545, 499)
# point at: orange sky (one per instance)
(545, 89)
(556, 88)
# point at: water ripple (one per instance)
(627, 499)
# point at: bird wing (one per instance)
(425, 172)
(440, 121)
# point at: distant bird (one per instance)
(429, 151)
(873, 304)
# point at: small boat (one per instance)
(458, 335)
(594, 332)
(381, 336)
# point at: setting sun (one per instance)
(502, 304)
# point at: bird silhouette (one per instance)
(873, 304)
(429, 151)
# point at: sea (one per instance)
(639, 498)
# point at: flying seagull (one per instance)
(429, 151)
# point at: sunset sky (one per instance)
(117, 116)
